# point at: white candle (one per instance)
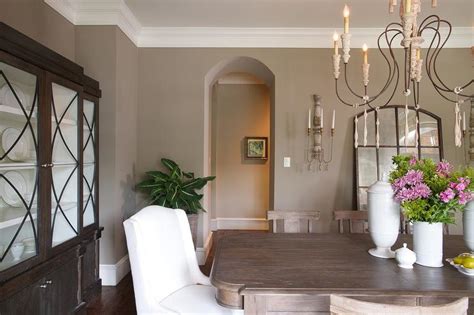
(407, 6)
(322, 118)
(463, 121)
(365, 53)
(335, 38)
(346, 14)
(309, 118)
(333, 119)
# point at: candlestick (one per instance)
(346, 43)
(309, 118)
(336, 60)
(335, 38)
(322, 117)
(365, 74)
(346, 14)
(407, 6)
(333, 119)
(364, 50)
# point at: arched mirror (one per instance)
(371, 162)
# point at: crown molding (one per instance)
(116, 12)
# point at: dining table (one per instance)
(267, 273)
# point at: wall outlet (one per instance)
(287, 162)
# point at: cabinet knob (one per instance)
(43, 286)
(49, 282)
(47, 165)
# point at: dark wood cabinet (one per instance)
(49, 229)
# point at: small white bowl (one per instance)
(17, 250)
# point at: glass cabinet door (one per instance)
(19, 210)
(89, 156)
(65, 163)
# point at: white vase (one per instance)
(468, 225)
(384, 219)
(428, 243)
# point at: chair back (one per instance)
(341, 305)
(357, 220)
(161, 254)
(293, 221)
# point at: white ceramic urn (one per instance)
(384, 219)
(468, 225)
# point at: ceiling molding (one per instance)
(116, 12)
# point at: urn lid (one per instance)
(381, 187)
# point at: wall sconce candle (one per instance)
(315, 151)
(346, 14)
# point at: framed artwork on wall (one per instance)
(256, 148)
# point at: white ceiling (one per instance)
(284, 13)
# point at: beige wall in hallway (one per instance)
(171, 97)
(242, 186)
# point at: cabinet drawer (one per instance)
(27, 301)
(63, 289)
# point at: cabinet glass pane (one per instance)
(64, 195)
(18, 165)
(89, 122)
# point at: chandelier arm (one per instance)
(347, 83)
(395, 64)
(432, 61)
(339, 97)
(429, 64)
(426, 20)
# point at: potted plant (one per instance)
(429, 194)
(176, 190)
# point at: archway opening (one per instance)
(239, 103)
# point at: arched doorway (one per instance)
(249, 67)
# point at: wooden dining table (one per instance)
(265, 273)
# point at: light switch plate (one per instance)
(286, 161)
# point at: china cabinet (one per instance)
(49, 227)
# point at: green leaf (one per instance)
(169, 164)
(158, 176)
(148, 183)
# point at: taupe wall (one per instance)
(241, 188)
(37, 20)
(171, 96)
(110, 57)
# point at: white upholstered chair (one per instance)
(341, 305)
(166, 275)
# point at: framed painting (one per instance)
(256, 148)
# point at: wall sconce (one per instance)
(315, 153)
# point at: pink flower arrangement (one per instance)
(429, 191)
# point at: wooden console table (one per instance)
(268, 273)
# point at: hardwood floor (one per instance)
(120, 300)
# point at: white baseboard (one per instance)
(203, 252)
(239, 224)
(112, 274)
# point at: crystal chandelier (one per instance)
(411, 35)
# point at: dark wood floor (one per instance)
(120, 300)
